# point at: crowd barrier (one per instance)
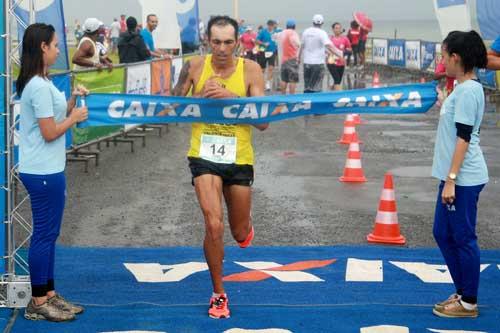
(417, 55)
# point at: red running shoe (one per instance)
(219, 307)
(248, 241)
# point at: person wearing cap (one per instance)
(268, 51)
(315, 44)
(131, 46)
(247, 40)
(494, 55)
(87, 54)
(289, 44)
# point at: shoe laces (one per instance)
(219, 302)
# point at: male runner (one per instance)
(221, 156)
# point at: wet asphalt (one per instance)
(145, 199)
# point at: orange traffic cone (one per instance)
(349, 134)
(376, 80)
(386, 223)
(357, 119)
(422, 80)
(353, 171)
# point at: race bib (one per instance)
(218, 149)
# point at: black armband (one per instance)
(464, 131)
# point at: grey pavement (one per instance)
(145, 199)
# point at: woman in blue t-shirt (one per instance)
(45, 118)
(460, 166)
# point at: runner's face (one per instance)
(223, 43)
(50, 51)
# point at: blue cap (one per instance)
(290, 23)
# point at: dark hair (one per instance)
(149, 16)
(469, 46)
(131, 23)
(31, 54)
(333, 25)
(222, 21)
(354, 24)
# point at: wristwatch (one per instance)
(452, 176)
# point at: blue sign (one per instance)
(51, 13)
(428, 50)
(3, 107)
(450, 3)
(121, 109)
(488, 78)
(397, 52)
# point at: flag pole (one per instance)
(236, 9)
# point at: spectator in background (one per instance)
(189, 40)
(123, 23)
(147, 36)
(78, 32)
(363, 37)
(494, 55)
(289, 43)
(354, 34)
(87, 53)
(114, 33)
(336, 65)
(268, 51)
(247, 41)
(131, 46)
(315, 44)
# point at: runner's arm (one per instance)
(255, 78)
(185, 81)
(81, 55)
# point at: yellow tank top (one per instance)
(219, 143)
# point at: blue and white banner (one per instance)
(3, 106)
(452, 15)
(380, 51)
(396, 52)
(412, 54)
(488, 12)
(488, 78)
(49, 12)
(188, 18)
(428, 55)
(120, 109)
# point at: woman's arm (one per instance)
(51, 130)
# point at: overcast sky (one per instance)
(261, 10)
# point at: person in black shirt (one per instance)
(131, 46)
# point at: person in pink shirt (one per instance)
(247, 40)
(440, 73)
(336, 65)
(289, 43)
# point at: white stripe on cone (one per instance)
(349, 130)
(353, 164)
(387, 217)
(388, 195)
(354, 147)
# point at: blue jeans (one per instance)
(47, 196)
(455, 234)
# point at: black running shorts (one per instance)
(231, 174)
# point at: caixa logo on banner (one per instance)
(396, 53)
(379, 51)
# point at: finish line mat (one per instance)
(365, 289)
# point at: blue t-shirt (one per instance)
(464, 105)
(41, 99)
(496, 45)
(266, 37)
(148, 39)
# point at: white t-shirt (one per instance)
(314, 41)
(115, 29)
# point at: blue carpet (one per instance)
(116, 302)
